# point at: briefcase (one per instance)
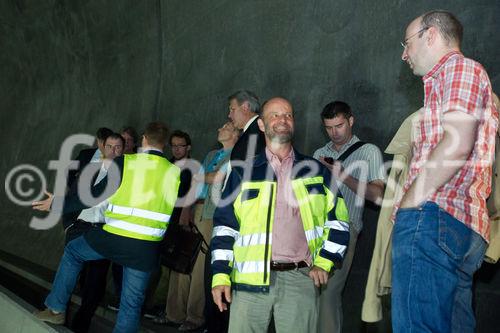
(180, 248)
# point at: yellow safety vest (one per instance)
(142, 205)
(255, 205)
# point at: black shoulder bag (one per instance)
(180, 248)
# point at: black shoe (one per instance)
(114, 305)
(150, 313)
(153, 312)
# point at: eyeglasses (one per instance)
(404, 43)
(178, 146)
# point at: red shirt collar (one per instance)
(437, 67)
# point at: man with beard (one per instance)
(285, 201)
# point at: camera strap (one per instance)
(350, 150)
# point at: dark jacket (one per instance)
(252, 134)
(314, 178)
(83, 158)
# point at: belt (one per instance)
(287, 266)
(90, 224)
(200, 201)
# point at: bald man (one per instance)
(278, 232)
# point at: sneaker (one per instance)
(189, 326)
(49, 316)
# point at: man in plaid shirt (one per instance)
(441, 224)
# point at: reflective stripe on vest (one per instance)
(337, 225)
(137, 212)
(334, 247)
(225, 231)
(139, 229)
(252, 239)
(142, 205)
(314, 234)
(248, 267)
(222, 255)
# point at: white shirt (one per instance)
(95, 214)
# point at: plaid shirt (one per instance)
(458, 84)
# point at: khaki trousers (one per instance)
(186, 293)
(292, 300)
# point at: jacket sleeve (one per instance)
(226, 231)
(335, 229)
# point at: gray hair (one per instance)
(449, 26)
(243, 96)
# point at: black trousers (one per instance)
(215, 321)
(93, 290)
(92, 280)
(117, 273)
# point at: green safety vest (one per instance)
(255, 207)
(142, 205)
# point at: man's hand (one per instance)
(329, 166)
(372, 191)
(337, 170)
(319, 276)
(43, 205)
(221, 291)
(336, 167)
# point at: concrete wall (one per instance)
(72, 66)
(69, 67)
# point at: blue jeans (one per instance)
(135, 282)
(434, 257)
